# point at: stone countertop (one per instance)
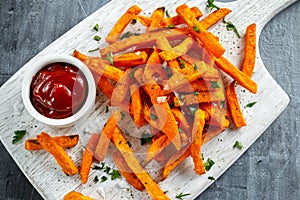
(270, 168)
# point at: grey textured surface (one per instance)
(270, 169)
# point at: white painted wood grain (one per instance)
(46, 176)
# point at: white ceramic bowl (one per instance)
(82, 112)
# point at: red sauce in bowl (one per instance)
(58, 90)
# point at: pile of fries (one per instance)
(167, 78)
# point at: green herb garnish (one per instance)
(96, 27)
(211, 178)
(195, 67)
(231, 27)
(96, 179)
(192, 110)
(109, 58)
(107, 169)
(129, 144)
(146, 138)
(103, 179)
(128, 34)
(153, 117)
(97, 38)
(181, 97)
(99, 167)
(196, 28)
(214, 84)
(182, 63)
(238, 145)
(171, 104)
(179, 196)
(93, 50)
(168, 15)
(210, 4)
(115, 174)
(249, 105)
(18, 135)
(170, 26)
(208, 164)
(165, 192)
(180, 130)
(196, 93)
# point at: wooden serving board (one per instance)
(41, 169)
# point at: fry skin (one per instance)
(198, 126)
(61, 157)
(126, 172)
(106, 135)
(63, 141)
(152, 188)
(73, 195)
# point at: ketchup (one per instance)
(58, 90)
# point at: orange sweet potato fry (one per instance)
(126, 172)
(61, 157)
(73, 195)
(174, 161)
(248, 65)
(105, 86)
(240, 77)
(197, 142)
(176, 20)
(156, 147)
(85, 167)
(151, 186)
(130, 59)
(80, 56)
(63, 141)
(121, 89)
(101, 67)
(136, 106)
(87, 158)
(208, 40)
(181, 120)
(157, 19)
(106, 135)
(250, 50)
(204, 97)
(145, 40)
(214, 17)
(121, 24)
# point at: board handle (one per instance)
(258, 11)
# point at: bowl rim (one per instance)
(54, 58)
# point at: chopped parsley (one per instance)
(211, 178)
(192, 110)
(165, 192)
(208, 164)
(99, 167)
(107, 169)
(195, 67)
(168, 14)
(146, 138)
(106, 109)
(171, 104)
(93, 50)
(238, 145)
(103, 179)
(214, 84)
(129, 144)
(231, 27)
(18, 135)
(210, 4)
(196, 93)
(181, 62)
(131, 75)
(196, 29)
(249, 105)
(96, 179)
(170, 26)
(115, 174)
(96, 27)
(133, 21)
(97, 38)
(179, 196)
(109, 58)
(180, 130)
(128, 34)
(153, 117)
(181, 97)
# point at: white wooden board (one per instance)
(42, 171)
